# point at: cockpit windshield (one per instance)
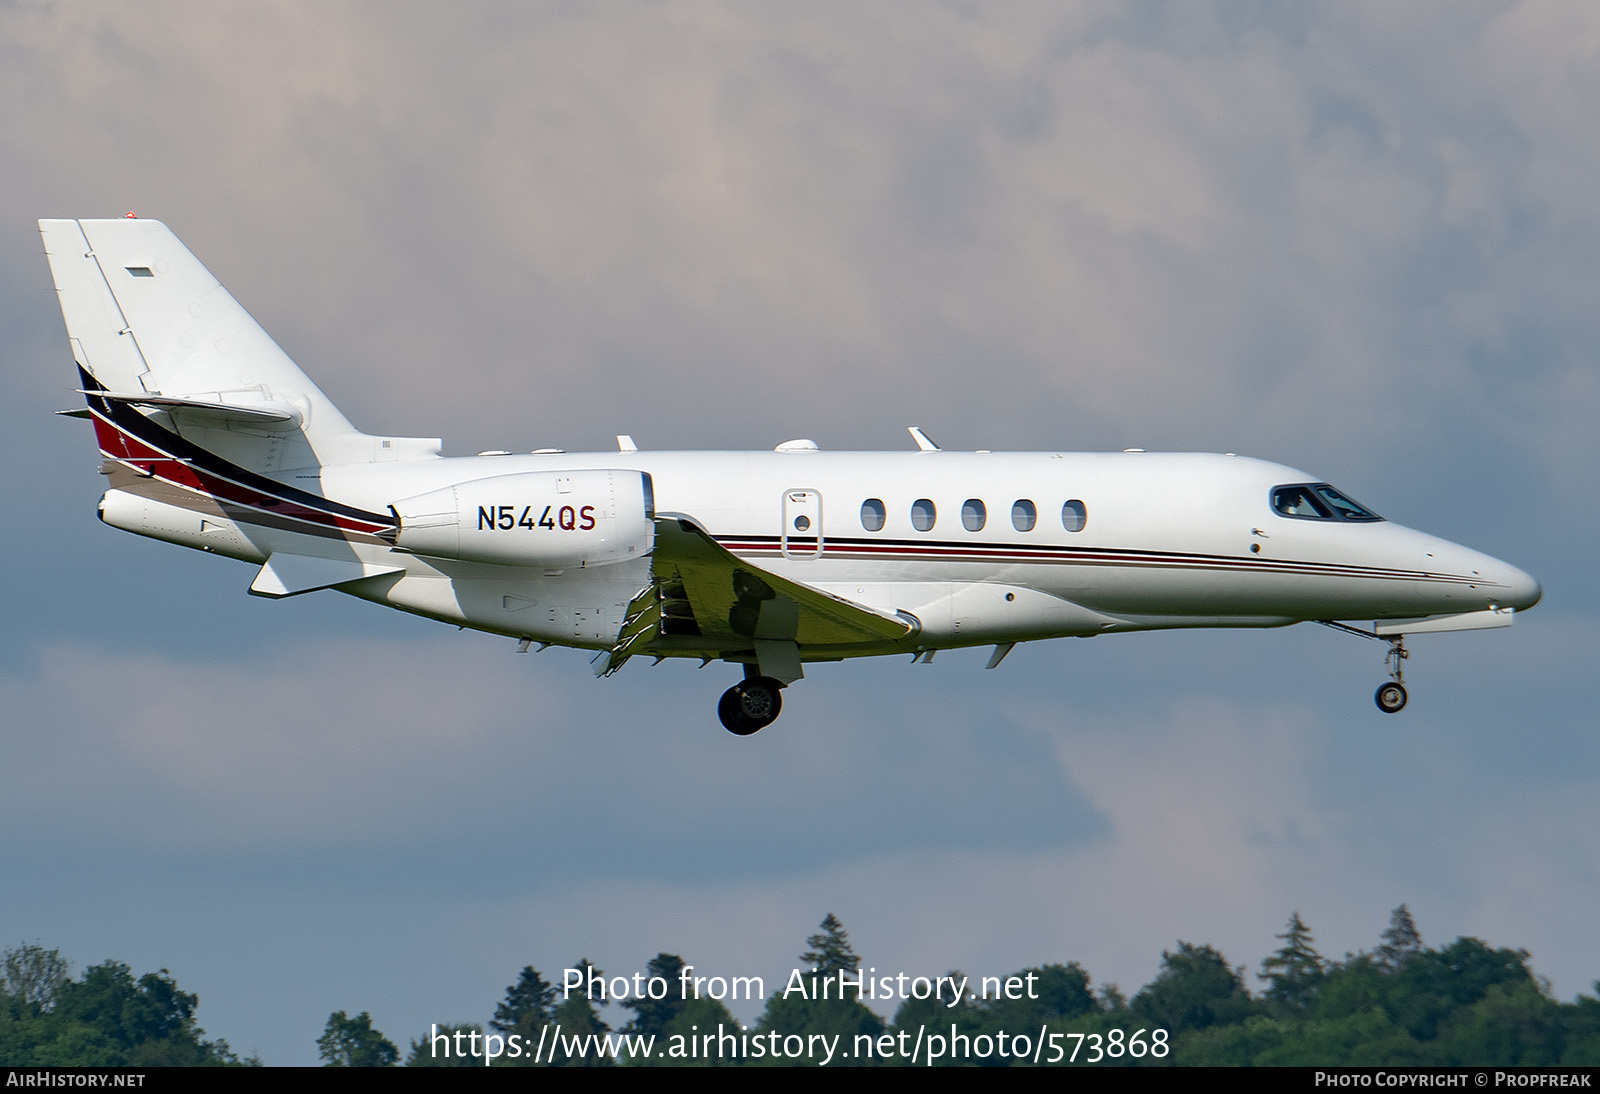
(1318, 501)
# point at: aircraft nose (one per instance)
(1493, 583)
(1525, 591)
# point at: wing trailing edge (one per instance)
(702, 594)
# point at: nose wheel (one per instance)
(750, 705)
(1391, 697)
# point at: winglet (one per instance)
(921, 438)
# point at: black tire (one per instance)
(1391, 697)
(751, 706)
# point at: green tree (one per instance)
(579, 1024)
(1582, 1031)
(1063, 990)
(942, 1007)
(654, 1016)
(352, 1042)
(1295, 969)
(940, 1011)
(151, 1019)
(131, 1012)
(1400, 941)
(1356, 985)
(105, 1019)
(1513, 1025)
(1049, 994)
(830, 950)
(33, 975)
(528, 1004)
(1434, 983)
(678, 1044)
(811, 1003)
(528, 1007)
(1195, 989)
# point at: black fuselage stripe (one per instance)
(128, 419)
(949, 551)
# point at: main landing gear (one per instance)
(1390, 697)
(750, 705)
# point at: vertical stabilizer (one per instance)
(153, 330)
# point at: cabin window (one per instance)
(873, 515)
(973, 515)
(923, 514)
(1074, 516)
(1318, 501)
(1023, 515)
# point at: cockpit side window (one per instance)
(1299, 501)
(1318, 501)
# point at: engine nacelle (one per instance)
(552, 519)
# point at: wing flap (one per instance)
(702, 595)
(738, 602)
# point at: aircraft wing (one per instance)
(703, 599)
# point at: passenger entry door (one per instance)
(802, 524)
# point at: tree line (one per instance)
(1401, 1003)
(105, 1018)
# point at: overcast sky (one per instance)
(1357, 238)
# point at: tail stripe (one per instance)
(126, 434)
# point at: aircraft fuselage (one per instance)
(1083, 543)
(214, 439)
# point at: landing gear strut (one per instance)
(750, 705)
(1391, 697)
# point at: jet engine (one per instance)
(550, 519)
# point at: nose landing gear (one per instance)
(1391, 697)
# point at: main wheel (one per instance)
(750, 706)
(1391, 697)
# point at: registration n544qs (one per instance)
(214, 439)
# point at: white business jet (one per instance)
(212, 438)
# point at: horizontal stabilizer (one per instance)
(262, 414)
(288, 574)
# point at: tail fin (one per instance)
(151, 329)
